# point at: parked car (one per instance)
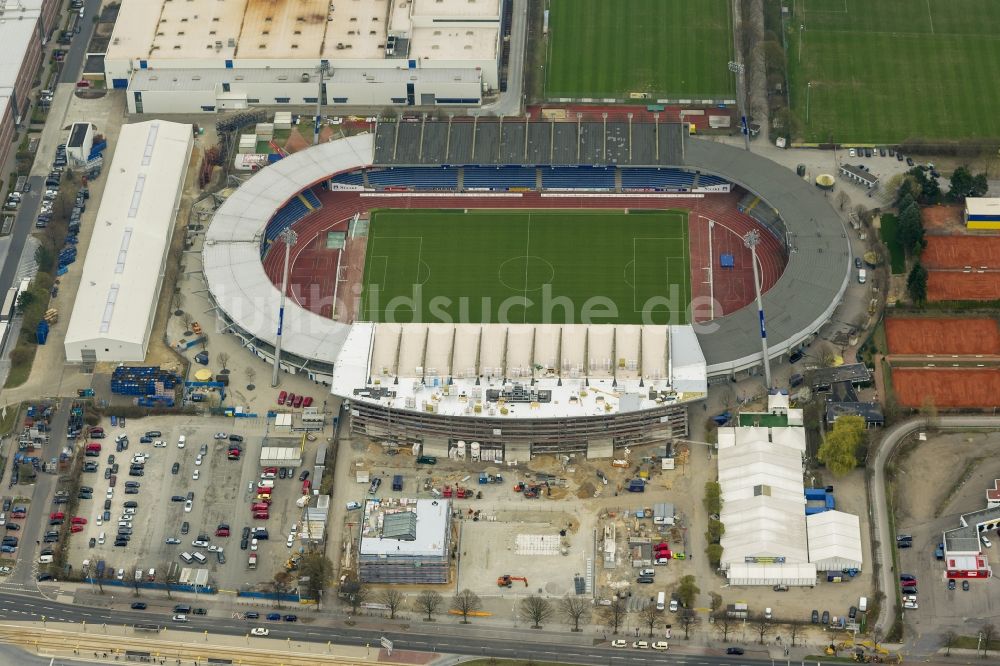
(734, 650)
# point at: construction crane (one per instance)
(507, 580)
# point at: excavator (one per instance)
(507, 580)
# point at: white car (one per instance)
(351, 506)
(187, 506)
(618, 643)
(110, 494)
(290, 541)
(100, 519)
(221, 435)
(673, 606)
(259, 631)
(986, 542)
(120, 575)
(253, 544)
(198, 459)
(159, 444)
(852, 153)
(181, 441)
(911, 605)
(129, 511)
(640, 645)
(199, 543)
(5, 571)
(196, 475)
(660, 645)
(180, 618)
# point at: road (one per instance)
(18, 607)
(883, 534)
(28, 211)
(509, 103)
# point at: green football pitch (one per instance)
(883, 71)
(527, 266)
(666, 48)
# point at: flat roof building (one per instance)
(982, 213)
(123, 270)
(386, 43)
(405, 541)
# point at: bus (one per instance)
(7, 312)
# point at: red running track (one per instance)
(312, 274)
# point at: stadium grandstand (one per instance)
(519, 388)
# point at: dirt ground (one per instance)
(931, 495)
(947, 388)
(943, 220)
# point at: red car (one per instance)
(297, 402)
(55, 515)
(76, 528)
(77, 520)
(307, 401)
(290, 399)
(306, 487)
(281, 397)
(261, 515)
(221, 533)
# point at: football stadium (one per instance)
(526, 286)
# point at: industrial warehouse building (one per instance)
(212, 55)
(769, 539)
(120, 286)
(982, 213)
(405, 541)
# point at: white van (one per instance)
(266, 483)
(661, 601)
(862, 276)
(199, 557)
(100, 538)
(863, 604)
(181, 441)
(45, 559)
(186, 556)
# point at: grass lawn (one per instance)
(507, 266)
(883, 71)
(889, 232)
(667, 48)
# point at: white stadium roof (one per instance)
(231, 254)
(121, 279)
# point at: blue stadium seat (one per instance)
(312, 198)
(660, 179)
(578, 178)
(350, 178)
(499, 178)
(289, 214)
(706, 180)
(439, 178)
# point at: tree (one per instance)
(187, 319)
(688, 618)
(794, 629)
(466, 602)
(355, 593)
(762, 625)
(250, 373)
(961, 183)
(614, 614)
(949, 640)
(715, 531)
(713, 497)
(318, 569)
(223, 359)
(280, 583)
(393, 599)
(428, 602)
(988, 631)
(724, 624)
(980, 185)
(916, 284)
(574, 609)
(839, 450)
(651, 616)
(843, 200)
(535, 609)
(716, 602)
(910, 229)
(687, 591)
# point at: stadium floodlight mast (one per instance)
(737, 68)
(289, 238)
(323, 69)
(751, 239)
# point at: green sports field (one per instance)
(527, 266)
(666, 48)
(883, 71)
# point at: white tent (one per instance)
(772, 574)
(834, 541)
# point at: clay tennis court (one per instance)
(943, 219)
(961, 251)
(917, 335)
(948, 388)
(959, 286)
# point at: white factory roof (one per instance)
(834, 540)
(231, 253)
(121, 275)
(763, 497)
(982, 205)
(431, 531)
(449, 368)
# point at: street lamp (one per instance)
(751, 240)
(808, 88)
(738, 68)
(289, 238)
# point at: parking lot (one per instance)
(221, 494)
(927, 508)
